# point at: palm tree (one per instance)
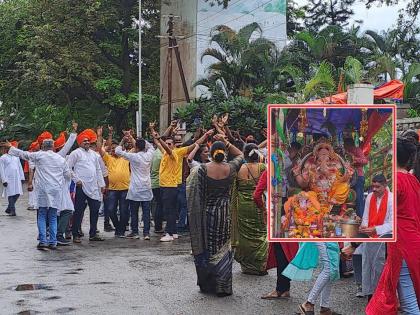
(412, 86)
(322, 83)
(331, 44)
(241, 62)
(351, 73)
(382, 49)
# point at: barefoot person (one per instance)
(209, 212)
(279, 254)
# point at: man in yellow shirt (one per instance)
(170, 176)
(119, 181)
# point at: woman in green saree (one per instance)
(249, 226)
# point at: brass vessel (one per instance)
(350, 228)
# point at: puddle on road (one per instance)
(102, 282)
(28, 312)
(31, 287)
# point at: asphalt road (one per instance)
(120, 276)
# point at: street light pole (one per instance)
(139, 112)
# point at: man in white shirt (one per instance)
(378, 218)
(140, 188)
(51, 173)
(11, 175)
(90, 184)
(377, 222)
(62, 147)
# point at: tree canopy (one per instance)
(68, 60)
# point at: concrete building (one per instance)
(195, 23)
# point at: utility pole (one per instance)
(173, 45)
(139, 112)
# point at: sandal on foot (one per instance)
(275, 295)
(305, 312)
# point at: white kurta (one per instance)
(32, 194)
(385, 228)
(140, 188)
(67, 146)
(51, 171)
(66, 198)
(66, 202)
(11, 172)
(87, 170)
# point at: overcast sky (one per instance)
(376, 18)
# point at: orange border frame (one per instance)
(394, 166)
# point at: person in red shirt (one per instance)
(279, 254)
(401, 270)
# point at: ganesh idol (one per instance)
(324, 178)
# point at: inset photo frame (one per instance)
(331, 173)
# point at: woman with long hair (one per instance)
(249, 226)
(402, 268)
(209, 202)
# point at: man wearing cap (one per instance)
(51, 172)
(11, 175)
(90, 184)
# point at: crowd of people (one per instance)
(212, 186)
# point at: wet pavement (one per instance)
(121, 276)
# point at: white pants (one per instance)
(322, 286)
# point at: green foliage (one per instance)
(353, 70)
(64, 60)
(412, 86)
(240, 63)
(151, 104)
(245, 115)
(322, 84)
(413, 113)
